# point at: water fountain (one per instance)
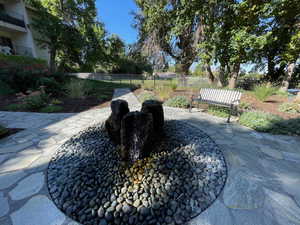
(136, 168)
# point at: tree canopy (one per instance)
(227, 33)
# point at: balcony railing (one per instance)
(16, 50)
(12, 18)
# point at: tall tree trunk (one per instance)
(234, 76)
(222, 79)
(286, 81)
(211, 77)
(52, 60)
(271, 68)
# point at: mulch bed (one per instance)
(70, 105)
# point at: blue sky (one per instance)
(115, 14)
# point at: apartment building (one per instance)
(17, 37)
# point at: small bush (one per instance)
(218, 111)
(146, 96)
(244, 106)
(75, 88)
(56, 102)
(265, 122)
(289, 107)
(174, 85)
(262, 92)
(178, 101)
(5, 89)
(163, 92)
(3, 130)
(51, 85)
(281, 93)
(51, 109)
(16, 107)
(36, 102)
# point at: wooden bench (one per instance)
(219, 97)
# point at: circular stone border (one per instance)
(87, 181)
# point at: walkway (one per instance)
(262, 188)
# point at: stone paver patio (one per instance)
(263, 186)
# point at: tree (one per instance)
(172, 27)
(56, 19)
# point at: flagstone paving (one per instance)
(263, 170)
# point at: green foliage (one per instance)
(218, 111)
(265, 122)
(16, 107)
(163, 92)
(5, 89)
(3, 130)
(51, 109)
(21, 61)
(245, 106)
(290, 107)
(146, 96)
(148, 85)
(282, 93)
(174, 85)
(262, 92)
(178, 101)
(259, 121)
(55, 102)
(76, 88)
(51, 85)
(36, 102)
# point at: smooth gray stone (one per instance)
(282, 208)
(10, 178)
(18, 162)
(216, 214)
(242, 191)
(15, 148)
(249, 217)
(39, 210)
(27, 187)
(4, 207)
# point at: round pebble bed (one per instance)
(184, 175)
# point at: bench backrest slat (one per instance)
(227, 97)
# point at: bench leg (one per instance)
(191, 105)
(231, 109)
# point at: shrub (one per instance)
(163, 92)
(56, 102)
(173, 85)
(51, 85)
(289, 107)
(16, 60)
(178, 101)
(281, 93)
(146, 96)
(75, 88)
(5, 89)
(218, 111)
(3, 130)
(16, 107)
(51, 109)
(36, 102)
(262, 92)
(265, 122)
(244, 106)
